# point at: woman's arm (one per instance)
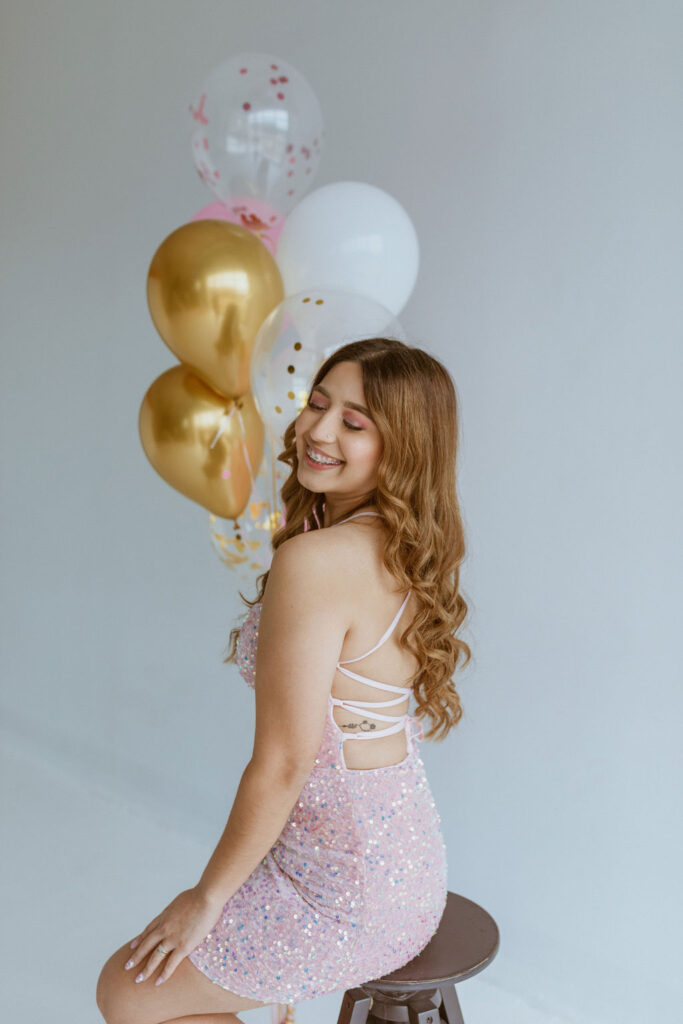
(303, 622)
(261, 808)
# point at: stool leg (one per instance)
(355, 1007)
(451, 1005)
(422, 1009)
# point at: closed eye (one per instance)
(350, 426)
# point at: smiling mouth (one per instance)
(320, 460)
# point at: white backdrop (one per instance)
(537, 147)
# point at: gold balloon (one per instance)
(204, 445)
(210, 286)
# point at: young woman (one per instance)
(331, 870)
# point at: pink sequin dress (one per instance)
(355, 885)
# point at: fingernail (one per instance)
(139, 977)
(128, 966)
(134, 943)
(159, 981)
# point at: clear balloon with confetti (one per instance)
(257, 132)
(296, 337)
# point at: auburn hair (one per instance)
(412, 400)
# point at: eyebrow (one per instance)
(351, 405)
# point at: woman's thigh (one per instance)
(122, 1000)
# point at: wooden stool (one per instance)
(423, 990)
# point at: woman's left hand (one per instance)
(179, 928)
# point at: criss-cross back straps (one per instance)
(361, 707)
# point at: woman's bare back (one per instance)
(375, 604)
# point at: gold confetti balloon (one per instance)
(210, 286)
(203, 444)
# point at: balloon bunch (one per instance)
(256, 291)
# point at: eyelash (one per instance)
(348, 426)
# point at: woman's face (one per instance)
(333, 425)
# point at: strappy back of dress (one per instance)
(360, 707)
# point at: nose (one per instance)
(323, 429)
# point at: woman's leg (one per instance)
(187, 996)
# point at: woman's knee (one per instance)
(108, 990)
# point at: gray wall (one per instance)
(537, 147)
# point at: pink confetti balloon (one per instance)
(257, 131)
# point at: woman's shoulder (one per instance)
(316, 545)
(337, 552)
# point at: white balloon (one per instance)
(352, 237)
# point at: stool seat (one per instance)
(423, 990)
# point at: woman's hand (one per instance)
(179, 928)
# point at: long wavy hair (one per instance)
(412, 399)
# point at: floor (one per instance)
(87, 866)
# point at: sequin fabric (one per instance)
(353, 888)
